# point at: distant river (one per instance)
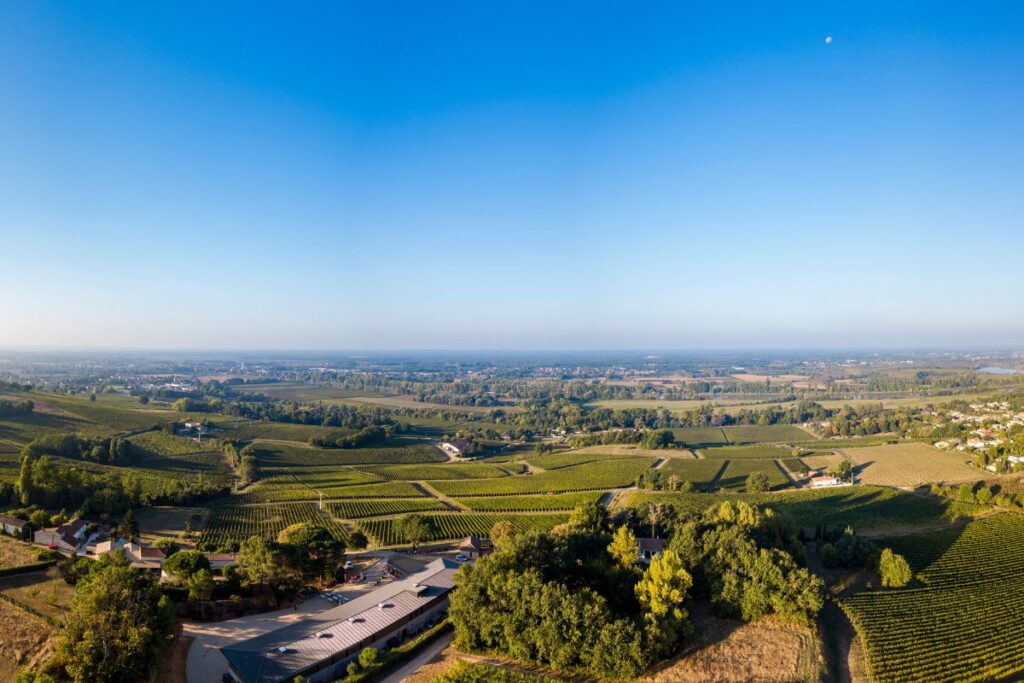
(999, 371)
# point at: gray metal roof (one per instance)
(259, 660)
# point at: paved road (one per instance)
(427, 655)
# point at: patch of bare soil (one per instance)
(26, 640)
(730, 651)
(428, 672)
(171, 668)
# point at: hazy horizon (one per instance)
(526, 177)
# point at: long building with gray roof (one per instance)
(320, 647)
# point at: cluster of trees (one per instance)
(102, 450)
(303, 553)
(576, 601)
(9, 408)
(116, 629)
(364, 437)
(656, 480)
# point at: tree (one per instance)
(894, 570)
(200, 585)
(413, 528)
(758, 482)
(591, 517)
(662, 590)
(259, 561)
(966, 493)
(368, 657)
(312, 550)
(129, 528)
(623, 547)
(143, 399)
(39, 519)
(984, 495)
(843, 470)
(501, 532)
(183, 564)
(116, 626)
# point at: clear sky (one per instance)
(400, 175)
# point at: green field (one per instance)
(865, 508)
(286, 487)
(556, 461)
(543, 503)
(736, 473)
(700, 436)
(277, 454)
(964, 623)
(354, 509)
(456, 525)
(440, 472)
(230, 524)
(305, 393)
(910, 464)
(700, 472)
(590, 477)
(761, 452)
(766, 434)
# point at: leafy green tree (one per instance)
(116, 626)
(368, 657)
(501, 532)
(966, 493)
(200, 585)
(757, 482)
(312, 550)
(893, 569)
(589, 518)
(623, 548)
(182, 565)
(259, 561)
(662, 592)
(129, 527)
(414, 528)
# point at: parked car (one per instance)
(461, 558)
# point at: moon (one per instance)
(828, 40)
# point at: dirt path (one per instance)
(431, 492)
(661, 463)
(808, 430)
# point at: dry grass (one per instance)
(730, 651)
(47, 592)
(822, 462)
(168, 522)
(909, 465)
(14, 553)
(26, 640)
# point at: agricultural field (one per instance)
(44, 591)
(964, 622)
(276, 454)
(168, 522)
(291, 488)
(232, 428)
(701, 473)
(542, 503)
(228, 524)
(295, 391)
(594, 476)
(629, 450)
(760, 452)
(439, 472)
(560, 459)
(411, 402)
(15, 553)
(110, 413)
(19, 430)
(909, 465)
(865, 508)
(455, 525)
(825, 461)
(736, 473)
(26, 638)
(795, 465)
(700, 436)
(766, 434)
(354, 509)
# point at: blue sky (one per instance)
(512, 176)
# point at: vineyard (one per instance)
(965, 623)
(862, 507)
(290, 488)
(795, 465)
(736, 473)
(547, 503)
(590, 477)
(910, 464)
(700, 436)
(440, 472)
(231, 524)
(354, 509)
(700, 472)
(459, 525)
(556, 461)
(766, 434)
(287, 455)
(760, 452)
